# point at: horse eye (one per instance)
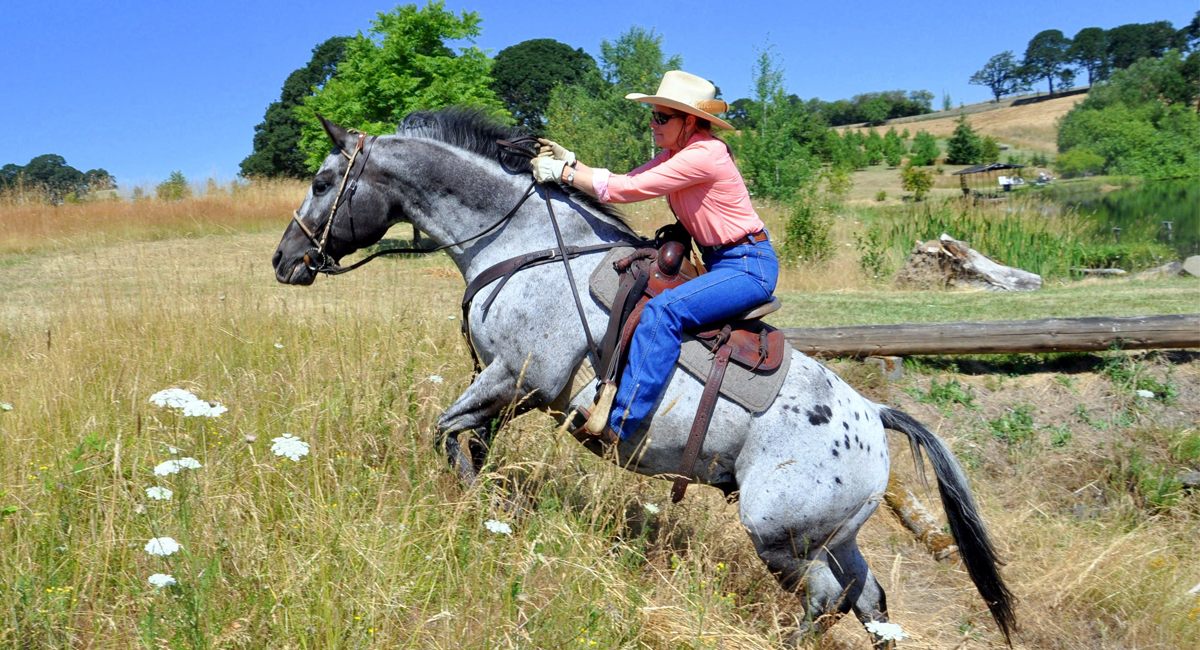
(319, 186)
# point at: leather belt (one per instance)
(753, 238)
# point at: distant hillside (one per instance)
(1024, 126)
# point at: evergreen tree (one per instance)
(989, 150)
(893, 148)
(524, 74)
(924, 149)
(277, 138)
(873, 147)
(964, 147)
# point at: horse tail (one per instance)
(969, 532)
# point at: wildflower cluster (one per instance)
(192, 406)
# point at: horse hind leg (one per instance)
(862, 589)
(806, 573)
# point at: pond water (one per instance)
(1139, 211)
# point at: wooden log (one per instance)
(917, 519)
(1000, 337)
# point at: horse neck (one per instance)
(449, 210)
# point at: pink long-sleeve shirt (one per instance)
(701, 183)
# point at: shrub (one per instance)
(806, 234)
(873, 260)
(1014, 427)
(1131, 256)
(989, 150)
(1038, 159)
(881, 195)
(925, 150)
(917, 181)
(1078, 162)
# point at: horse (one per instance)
(806, 473)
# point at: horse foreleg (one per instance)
(474, 410)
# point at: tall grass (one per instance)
(28, 223)
(1027, 233)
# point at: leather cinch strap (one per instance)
(708, 403)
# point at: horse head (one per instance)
(345, 210)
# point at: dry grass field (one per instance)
(368, 541)
(1031, 126)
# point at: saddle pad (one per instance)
(753, 391)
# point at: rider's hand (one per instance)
(557, 150)
(546, 169)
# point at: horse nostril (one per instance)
(275, 259)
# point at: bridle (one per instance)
(523, 147)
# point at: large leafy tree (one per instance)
(277, 138)
(1089, 50)
(524, 75)
(1142, 121)
(404, 65)
(1002, 75)
(1128, 44)
(1046, 58)
(593, 118)
(51, 174)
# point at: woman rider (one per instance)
(696, 172)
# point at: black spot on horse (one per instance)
(846, 425)
(838, 479)
(847, 442)
(856, 415)
(820, 414)
(835, 451)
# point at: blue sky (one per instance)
(145, 88)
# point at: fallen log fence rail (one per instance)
(1000, 337)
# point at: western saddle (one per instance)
(743, 339)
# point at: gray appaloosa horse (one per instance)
(808, 471)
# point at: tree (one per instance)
(277, 150)
(404, 66)
(873, 146)
(989, 150)
(593, 116)
(1078, 162)
(893, 148)
(1046, 56)
(524, 74)
(917, 181)
(965, 146)
(738, 114)
(1128, 44)
(1190, 36)
(1001, 75)
(924, 150)
(1089, 50)
(175, 188)
(1142, 121)
(874, 111)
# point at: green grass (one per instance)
(1116, 297)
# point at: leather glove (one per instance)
(546, 169)
(557, 150)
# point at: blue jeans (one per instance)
(738, 279)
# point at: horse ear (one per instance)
(337, 134)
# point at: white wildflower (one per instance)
(159, 493)
(162, 546)
(172, 450)
(192, 406)
(167, 467)
(290, 446)
(650, 508)
(279, 346)
(1142, 392)
(5, 406)
(886, 631)
(498, 527)
(163, 580)
(435, 379)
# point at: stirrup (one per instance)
(584, 435)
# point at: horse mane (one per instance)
(474, 130)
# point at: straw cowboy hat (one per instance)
(687, 93)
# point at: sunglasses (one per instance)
(662, 118)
